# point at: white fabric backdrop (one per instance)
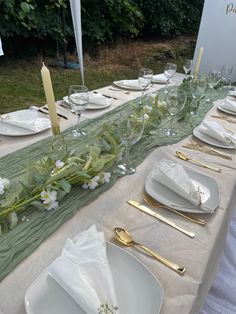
(75, 7)
(217, 36)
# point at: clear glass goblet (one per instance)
(226, 71)
(130, 130)
(187, 66)
(176, 100)
(197, 88)
(144, 80)
(214, 78)
(78, 98)
(169, 71)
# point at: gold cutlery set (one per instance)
(124, 237)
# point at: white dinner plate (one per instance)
(134, 85)
(93, 106)
(207, 185)
(221, 108)
(137, 290)
(40, 124)
(210, 140)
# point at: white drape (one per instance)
(75, 7)
(1, 51)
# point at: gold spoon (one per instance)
(152, 202)
(184, 157)
(124, 237)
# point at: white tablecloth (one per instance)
(200, 256)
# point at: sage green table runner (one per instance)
(28, 234)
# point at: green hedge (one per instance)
(103, 21)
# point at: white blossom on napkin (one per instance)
(159, 78)
(229, 105)
(216, 131)
(84, 272)
(173, 176)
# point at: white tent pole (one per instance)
(75, 7)
(1, 51)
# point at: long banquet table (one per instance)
(200, 256)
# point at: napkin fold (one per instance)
(26, 119)
(216, 131)
(99, 99)
(229, 105)
(173, 176)
(159, 78)
(129, 84)
(84, 273)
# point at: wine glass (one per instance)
(214, 78)
(197, 88)
(169, 71)
(130, 129)
(176, 100)
(144, 79)
(226, 71)
(78, 98)
(187, 66)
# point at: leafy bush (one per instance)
(170, 17)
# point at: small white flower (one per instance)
(92, 184)
(147, 109)
(4, 183)
(106, 177)
(49, 199)
(85, 186)
(59, 164)
(146, 117)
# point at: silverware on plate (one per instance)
(155, 204)
(124, 237)
(150, 212)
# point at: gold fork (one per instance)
(155, 204)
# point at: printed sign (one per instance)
(217, 36)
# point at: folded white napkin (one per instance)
(216, 131)
(83, 271)
(99, 99)
(229, 105)
(232, 93)
(159, 78)
(26, 119)
(129, 84)
(173, 176)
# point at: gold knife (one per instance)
(161, 218)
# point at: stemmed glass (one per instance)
(197, 87)
(78, 98)
(226, 70)
(169, 71)
(130, 130)
(144, 79)
(176, 101)
(214, 78)
(187, 66)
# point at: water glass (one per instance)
(144, 80)
(214, 78)
(226, 71)
(187, 66)
(197, 88)
(78, 98)
(169, 71)
(176, 100)
(130, 129)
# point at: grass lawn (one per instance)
(21, 84)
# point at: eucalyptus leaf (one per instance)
(65, 186)
(12, 219)
(38, 205)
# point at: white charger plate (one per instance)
(121, 84)
(138, 290)
(221, 108)
(13, 130)
(210, 140)
(208, 187)
(91, 106)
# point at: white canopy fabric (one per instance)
(1, 51)
(75, 7)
